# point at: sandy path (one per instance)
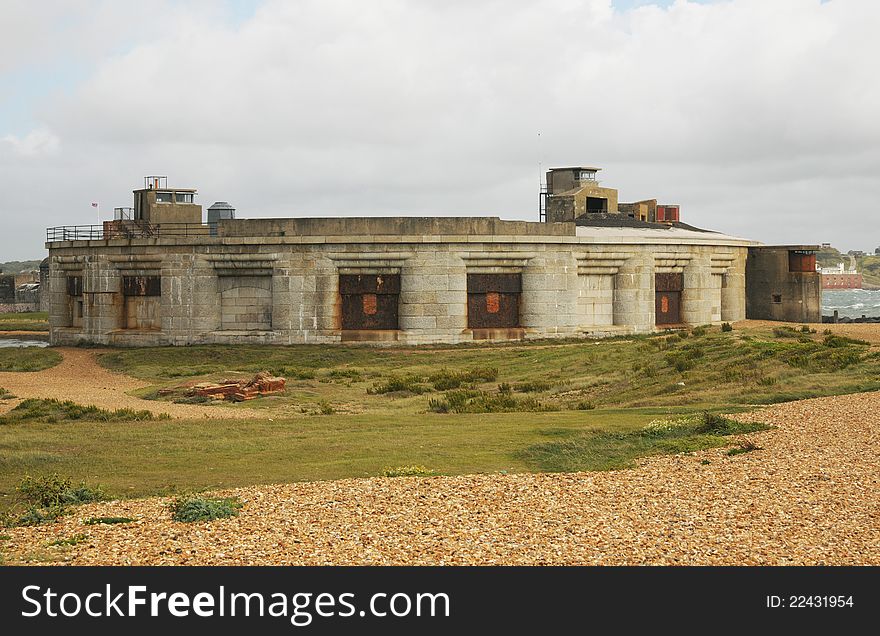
(80, 378)
(811, 496)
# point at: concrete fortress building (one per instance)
(158, 274)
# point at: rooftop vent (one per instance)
(219, 211)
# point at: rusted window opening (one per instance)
(142, 286)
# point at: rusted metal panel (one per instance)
(801, 261)
(667, 307)
(482, 283)
(369, 301)
(74, 285)
(668, 282)
(493, 301)
(369, 284)
(142, 286)
(667, 298)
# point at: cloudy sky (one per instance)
(760, 118)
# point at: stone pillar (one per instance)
(433, 297)
(301, 288)
(549, 302)
(102, 300)
(205, 309)
(696, 298)
(634, 294)
(733, 291)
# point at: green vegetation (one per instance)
(94, 521)
(45, 498)
(457, 409)
(606, 450)
(407, 471)
(709, 367)
(192, 508)
(5, 395)
(74, 540)
(19, 267)
(28, 358)
(51, 490)
(54, 411)
(472, 401)
(746, 446)
(37, 321)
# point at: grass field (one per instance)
(28, 358)
(707, 368)
(355, 411)
(139, 458)
(27, 321)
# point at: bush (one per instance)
(445, 380)
(837, 342)
(585, 405)
(726, 327)
(699, 331)
(469, 401)
(36, 516)
(53, 490)
(326, 408)
(784, 332)
(5, 395)
(292, 373)
(407, 471)
(191, 508)
(352, 375)
(400, 384)
(53, 411)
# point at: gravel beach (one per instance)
(811, 496)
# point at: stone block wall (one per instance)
(285, 290)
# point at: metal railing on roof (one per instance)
(125, 230)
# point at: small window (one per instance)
(777, 298)
(587, 175)
(183, 197)
(163, 197)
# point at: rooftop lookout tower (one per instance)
(157, 204)
(573, 192)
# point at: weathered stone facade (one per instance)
(278, 281)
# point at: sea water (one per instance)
(853, 303)
(19, 342)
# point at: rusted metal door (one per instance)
(667, 298)
(369, 301)
(493, 300)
